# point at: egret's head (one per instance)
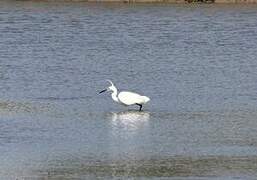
(110, 88)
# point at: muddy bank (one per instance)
(209, 166)
(161, 1)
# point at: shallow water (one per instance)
(197, 63)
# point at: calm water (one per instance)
(196, 62)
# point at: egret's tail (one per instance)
(146, 99)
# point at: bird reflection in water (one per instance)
(130, 120)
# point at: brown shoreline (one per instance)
(156, 1)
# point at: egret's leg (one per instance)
(140, 105)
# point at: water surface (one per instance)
(197, 63)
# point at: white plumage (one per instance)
(127, 98)
(130, 98)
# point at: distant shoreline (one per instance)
(159, 1)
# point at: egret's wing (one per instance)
(129, 98)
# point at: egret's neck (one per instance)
(114, 94)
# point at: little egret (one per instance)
(125, 97)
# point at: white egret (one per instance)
(125, 97)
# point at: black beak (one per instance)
(102, 91)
